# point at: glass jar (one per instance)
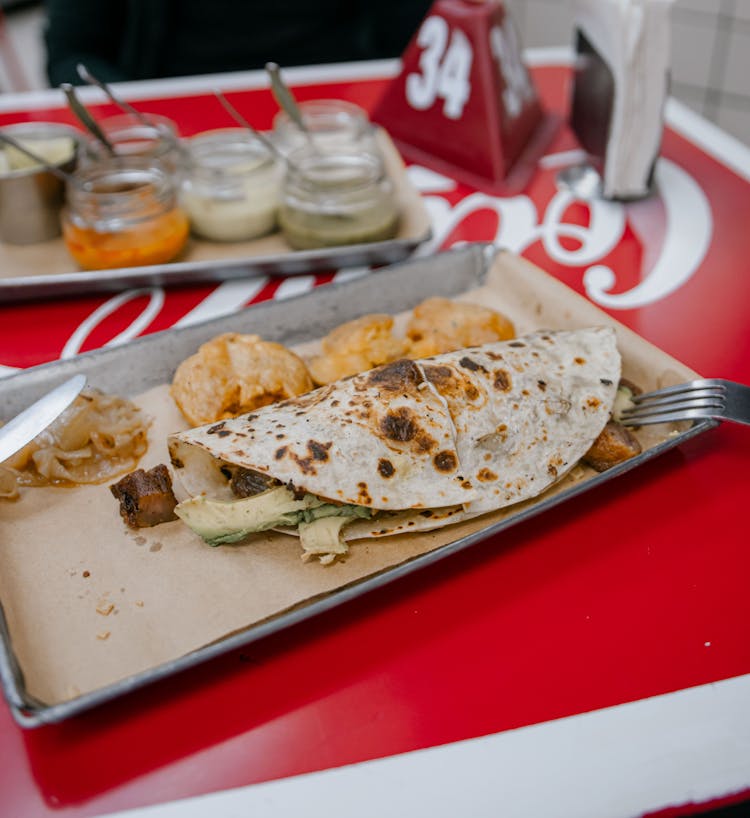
(231, 186)
(334, 125)
(331, 199)
(130, 136)
(123, 213)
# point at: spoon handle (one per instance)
(285, 98)
(88, 77)
(240, 120)
(85, 118)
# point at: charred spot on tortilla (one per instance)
(486, 475)
(519, 344)
(215, 429)
(445, 461)
(471, 364)
(364, 494)
(318, 451)
(386, 468)
(502, 382)
(494, 356)
(400, 425)
(542, 385)
(554, 465)
(593, 403)
(449, 383)
(438, 375)
(177, 463)
(427, 513)
(395, 376)
(280, 452)
(305, 463)
(605, 381)
(578, 360)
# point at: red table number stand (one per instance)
(464, 102)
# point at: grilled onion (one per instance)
(97, 437)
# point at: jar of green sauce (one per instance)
(336, 198)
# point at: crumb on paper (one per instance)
(105, 607)
(86, 574)
(103, 635)
(139, 603)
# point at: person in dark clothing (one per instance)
(144, 39)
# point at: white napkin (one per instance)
(632, 37)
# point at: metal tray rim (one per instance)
(29, 713)
(293, 263)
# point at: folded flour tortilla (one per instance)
(417, 445)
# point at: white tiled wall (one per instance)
(710, 51)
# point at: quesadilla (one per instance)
(412, 445)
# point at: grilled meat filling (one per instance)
(146, 497)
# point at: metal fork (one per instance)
(703, 398)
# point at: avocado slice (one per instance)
(322, 538)
(220, 522)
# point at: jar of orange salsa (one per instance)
(123, 213)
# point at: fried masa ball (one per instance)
(356, 346)
(233, 374)
(440, 325)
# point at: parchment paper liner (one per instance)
(65, 552)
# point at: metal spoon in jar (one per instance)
(85, 118)
(240, 120)
(88, 77)
(286, 100)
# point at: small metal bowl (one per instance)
(31, 197)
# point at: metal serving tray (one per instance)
(296, 320)
(46, 270)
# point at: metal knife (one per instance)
(24, 427)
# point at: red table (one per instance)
(636, 590)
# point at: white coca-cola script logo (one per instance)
(684, 240)
(687, 232)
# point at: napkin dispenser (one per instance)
(621, 78)
(464, 103)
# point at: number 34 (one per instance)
(445, 69)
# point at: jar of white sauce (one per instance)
(231, 187)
